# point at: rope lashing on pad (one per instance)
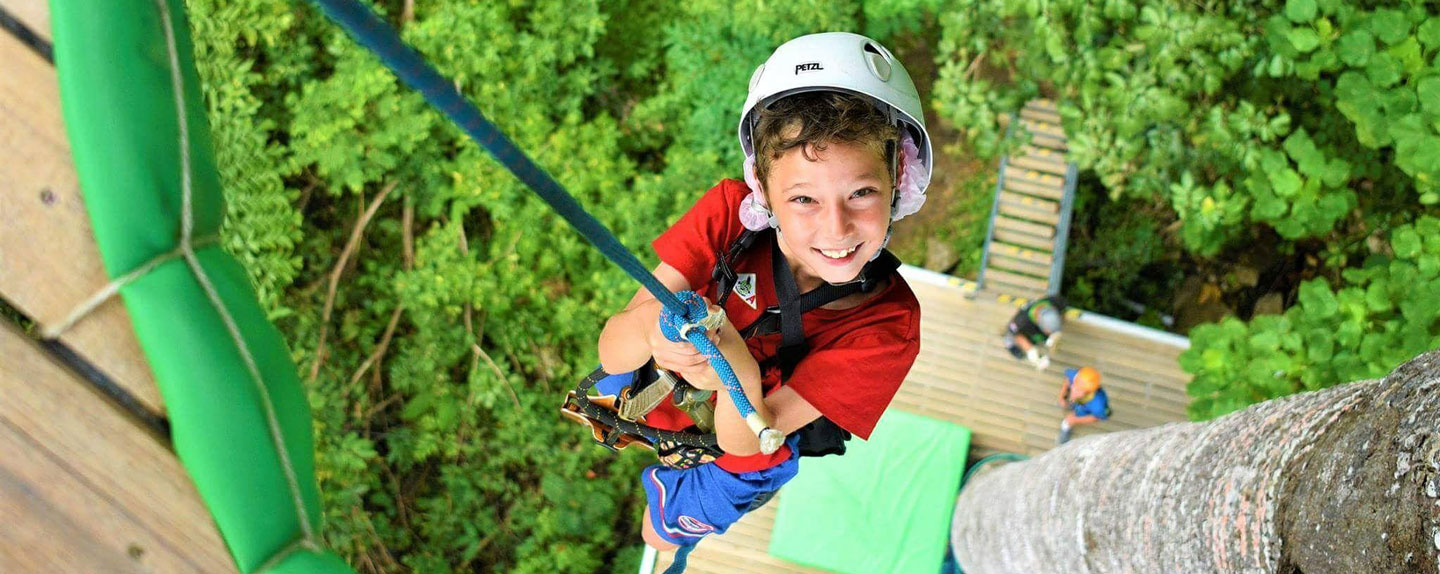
(381, 39)
(186, 250)
(52, 332)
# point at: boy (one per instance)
(1083, 400)
(836, 152)
(1035, 324)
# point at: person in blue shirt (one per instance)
(1083, 400)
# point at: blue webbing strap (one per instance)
(380, 38)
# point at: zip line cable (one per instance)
(381, 39)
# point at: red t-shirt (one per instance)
(858, 356)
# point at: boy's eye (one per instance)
(802, 199)
(864, 192)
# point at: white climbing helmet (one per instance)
(839, 61)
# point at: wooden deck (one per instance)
(965, 375)
(84, 485)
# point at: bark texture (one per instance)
(1344, 480)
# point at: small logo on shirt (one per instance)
(808, 67)
(695, 526)
(745, 288)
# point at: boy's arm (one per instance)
(631, 337)
(731, 432)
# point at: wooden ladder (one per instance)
(1024, 251)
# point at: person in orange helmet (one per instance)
(1083, 400)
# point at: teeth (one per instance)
(841, 254)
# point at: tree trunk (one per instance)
(1344, 480)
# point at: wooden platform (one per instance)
(84, 486)
(965, 375)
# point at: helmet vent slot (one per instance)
(878, 61)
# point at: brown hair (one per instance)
(813, 120)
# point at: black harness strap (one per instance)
(822, 436)
(724, 273)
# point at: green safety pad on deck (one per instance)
(883, 507)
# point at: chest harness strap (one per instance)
(822, 436)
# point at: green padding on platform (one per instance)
(308, 563)
(138, 143)
(883, 507)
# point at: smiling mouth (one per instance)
(839, 253)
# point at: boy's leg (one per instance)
(685, 505)
(1009, 340)
(647, 531)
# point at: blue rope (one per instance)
(677, 566)
(380, 38)
(672, 325)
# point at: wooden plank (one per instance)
(1040, 114)
(1002, 261)
(1037, 229)
(1043, 128)
(34, 14)
(135, 491)
(1023, 239)
(1016, 290)
(1045, 104)
(1038, 164)
(1032, 182)
(1035, 177)
(1030, 203)
(1059, 144)
(45, 232)
(1043, 153)
(1038, 257)
(1018, 212)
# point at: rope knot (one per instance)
(678, 327)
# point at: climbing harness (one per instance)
(616, 420)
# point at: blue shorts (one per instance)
(686, 505)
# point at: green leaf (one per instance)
(1300, 10)
(1304, 39)
(1427, 90)
(1265, 342)
(1285, 182)
(1356, 47)
(1389, 25)
(1317, 299)
(1377, 296)
(1384, 70)
(1429, 33)
(1408, 53)
(1405, 242)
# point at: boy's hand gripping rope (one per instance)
(379, 37)
(692, 327)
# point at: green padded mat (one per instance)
(883, 507)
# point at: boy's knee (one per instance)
(652, 538)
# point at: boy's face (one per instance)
(833, 212)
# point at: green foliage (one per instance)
(1387, 312)
(1118, 243)
(1236, 113)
